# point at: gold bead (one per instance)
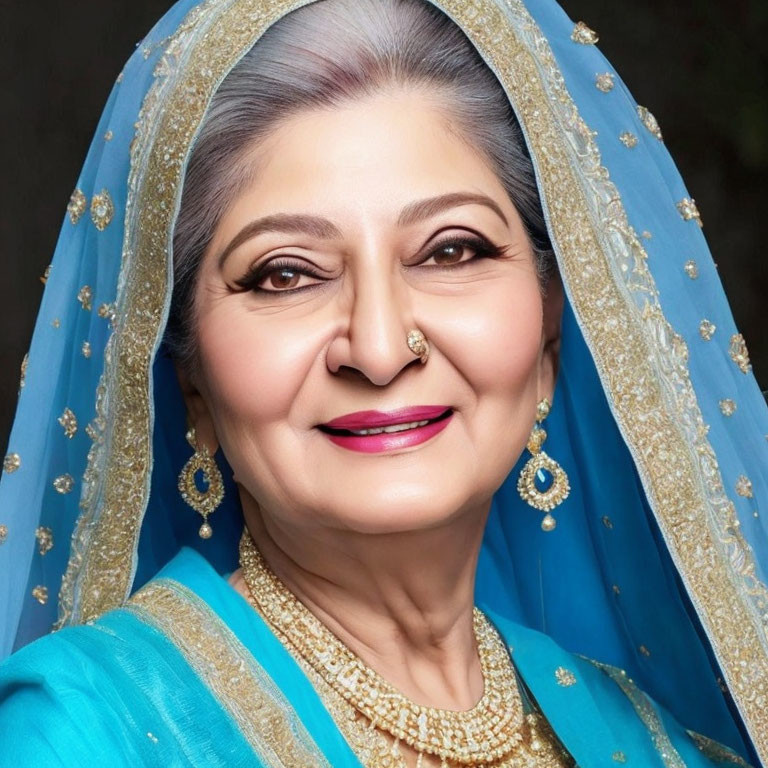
(205, 531)
(548, 523)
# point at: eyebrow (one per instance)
(325, 229)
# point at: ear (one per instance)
(554, 299)
(198, 413)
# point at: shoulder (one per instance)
(76, 695)
(124, 690)
(597, 709)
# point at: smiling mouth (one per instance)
(386, 429)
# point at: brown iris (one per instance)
(448, 254)
(283, 278)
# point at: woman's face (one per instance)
(363, 222)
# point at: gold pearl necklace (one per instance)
(487, 733)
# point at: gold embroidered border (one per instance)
(641, 361)
(647, 714)
(715, 751)
(206, 46)
(228, 669)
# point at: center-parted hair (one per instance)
(327, 54)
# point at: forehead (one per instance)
(378, 151)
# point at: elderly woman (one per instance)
(421, 288)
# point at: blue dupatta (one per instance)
(658, 564)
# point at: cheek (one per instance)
(494, 340)
(253, 367)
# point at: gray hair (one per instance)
(323, 55)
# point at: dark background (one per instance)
(699, 65)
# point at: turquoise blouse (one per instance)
(188, 674)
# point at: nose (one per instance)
(375, 324)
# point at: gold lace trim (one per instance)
(642, 362)
(717, 752)
(647, 714)
(235, 678)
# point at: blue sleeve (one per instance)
(57, 709)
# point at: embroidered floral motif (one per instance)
(107, 311)
(646, 235)
(744, 487)
(604, 82)
(86, 349)
(644, 651)
(56, 323)
(3, 533)
(738, 352)
(108, 136)
(46, 274)
(565, 677)
(607, 522)
(649, 121)
(44, 538)
(583, 34)
(619, 757)
(11, 462)
(629, 140)
(64, 483)
(84, 296)
(68, 421)
(689, 211)
(102, 210)
(706, 329)
(727, 407)
(78, 202)
(40, 593)
(691, 269)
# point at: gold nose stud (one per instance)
(418, 344)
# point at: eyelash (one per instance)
(483, 249)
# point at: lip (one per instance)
(390, 441)
(371, 419)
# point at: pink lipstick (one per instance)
(377, 431)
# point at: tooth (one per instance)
(392, 428)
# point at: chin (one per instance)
(410, 514)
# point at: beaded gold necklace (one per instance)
(494, 732)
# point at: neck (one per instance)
(401, 601)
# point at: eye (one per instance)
(278, 276)
(453, 251)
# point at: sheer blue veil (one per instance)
(659, 560)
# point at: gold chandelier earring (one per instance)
(205, 501)
(542, 482)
